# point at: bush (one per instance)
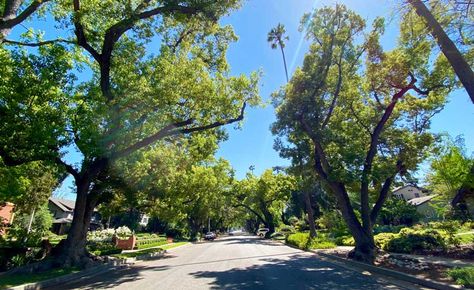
(345, 241)
(382, 239)
(102, 248)
(387, 229)
(398, 212)
(333, 222)
(303, 241)
(299, 240)
(410, 241)
(463, 276)
(321, 243)
(151, 241)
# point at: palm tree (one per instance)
(276, 38)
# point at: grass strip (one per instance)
(20, 279)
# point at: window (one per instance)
(416, 194)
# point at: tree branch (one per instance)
(364, 188)
(80, 34)
(69, 168)
(36, 44)
(176, 129)
(9, 18)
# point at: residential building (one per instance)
(63, 211)
(6, 216)
(408, 192)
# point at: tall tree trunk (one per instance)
(364, 249)
(284, 63)
(449, 49)
(309, 211)
(72, 250)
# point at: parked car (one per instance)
(262, 232)
(210, 236)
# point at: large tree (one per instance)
(360, 126)
(137, 97)
(264, 197)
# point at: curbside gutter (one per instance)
(87, 273)
(395, 274)
(381, 271)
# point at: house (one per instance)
(408, 192)
(63, 211)
(420, 198)
(6, 215)
(426, 207)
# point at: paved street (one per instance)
(236, 262)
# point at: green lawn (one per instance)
(15, 280)
(147, 251)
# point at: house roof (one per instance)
(63, 204)
(409, 185)
(421, 200)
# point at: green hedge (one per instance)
(463, 276)
(150, 242)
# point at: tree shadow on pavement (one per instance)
(112, 278)
(298, 272)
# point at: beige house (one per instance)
(425, 206)
(408, 192)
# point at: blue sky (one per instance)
(253, 144)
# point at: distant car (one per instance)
(210, 236)
(262, 232)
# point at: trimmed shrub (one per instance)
(410, 241)
(463, 276)
(150, 241)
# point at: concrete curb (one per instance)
(382, 271)
(111, 264)
(395, 274)
(87, 273)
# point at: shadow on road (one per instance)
(299, 272)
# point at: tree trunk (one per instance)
(309, 211)
(72, 251)
(364, 249)
(284, 62)
(449, 49)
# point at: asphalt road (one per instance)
(236, 262)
